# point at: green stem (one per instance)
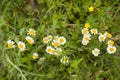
(10, 62)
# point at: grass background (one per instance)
(63, 18)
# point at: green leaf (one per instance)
(97, 3)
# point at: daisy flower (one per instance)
(85, 31)
(56, 38)
(31, 32)
(94, 31)
(91, 8)
(58, 50)
(108, 35)
(86, 37)
(55, 44)
(64, 60)
(102, 38)
(48, 49)
(96, 52)
(10, 44)
(87, 25)
(84, 42)
(49, 37)
(35, 56)
(45, 40)
(62, 40)
(111, 49)
(29, 40)
(21, 45)
(110, 43)
(53, 51)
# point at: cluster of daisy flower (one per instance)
(21, 45)
(54, 48)
(102, 37)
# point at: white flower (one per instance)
(56, 38)
(85, 31)
(10, 44)
(59, 50)
(86, 37)
(53, 52)
(94, 31)
(110, 43)
(31, 32)
(111, 49)
(108, 35)
(35, 56)
(48, 49)
(55, 44)
(102, 38)
(21, 45)
(64, 60)
(84, 42)
(45, 40)
(49, 37)
(29, 40)
(96, 52)
(62, 40)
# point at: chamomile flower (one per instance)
(111, 49)
(102, 38)
(21, 45)
(53, 52)
(91, 8)
(84, 42)
(56, 38)
(110, 43)
(31, 32)
(45, 40)
(62, 40)
(86, 37)
(64, 60)
(85, 31)
(10, 44)
(58, 50)
(55, 44)
(96, 52)
(87, 25)
(108, 35)
(94, 31)
(35, 56)
(49, 49)
(49, 37)
(29, 39)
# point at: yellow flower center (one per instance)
(108, 35)
(87, 38)
(53, 52)
(111, 43)
(34, 57)
(111, 49)
(87, 25)
(85, 31)
(10, 45)
(55, 44)
(49, 50)
(20, 46)
(29, 41)
(32, 32)
(61, 40)
(64, 59)
(102, 38)
(94, 31)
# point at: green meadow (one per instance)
(59, 39)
